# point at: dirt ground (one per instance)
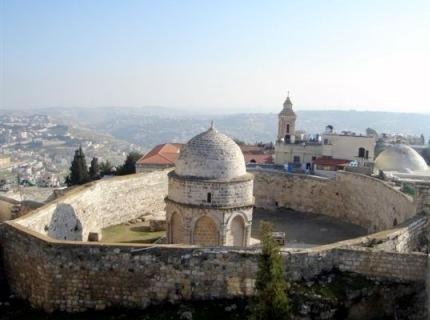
(305, 229)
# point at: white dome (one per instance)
(211, 155)
(400, 158)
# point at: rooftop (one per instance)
(163, 154)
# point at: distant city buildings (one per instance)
(325, 151)
(36, 151)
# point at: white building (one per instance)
(292, 148)
(401, 162)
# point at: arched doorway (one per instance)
(237, 232)
(177, 232)
(206, 232)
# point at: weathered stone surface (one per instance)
(75, 277)
(358, 199)
(97, 205)
(211, 155)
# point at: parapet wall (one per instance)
(99, 204)
(372, 203)
(354, 198)
(74, 276)
(78, 276)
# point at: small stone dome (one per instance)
(211, 155)
(400, 158)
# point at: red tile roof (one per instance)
(163, 154)
(328, 161)
(258, 158)
(251, 149)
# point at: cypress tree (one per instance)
(94, 169)
(78, 169)
(106, 168)
(271, 300)
(129, 166)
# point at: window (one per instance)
(296, 159)
(209, 197)
(288, 128)
(326, 141)
(361, 152)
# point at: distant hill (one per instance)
(148, 126)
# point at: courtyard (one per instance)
(303, 230)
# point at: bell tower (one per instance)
(287, 122)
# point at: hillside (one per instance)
(148, 126)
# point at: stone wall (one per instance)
(96, 205)
(359, 199)
(423, 197)
(79, 276)
(377, 263)
(408, 237)
(73, 276)
(187, 218)
(372, 203)
(223, 194)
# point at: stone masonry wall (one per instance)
(96, 205)
(372, 203)
(377, 263)
(354, 198)
(423, 197)
(407, 237)
(81, 276)
(298, 192)
(223, 194)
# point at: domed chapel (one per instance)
(210, 194)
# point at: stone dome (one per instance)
(211, 155)
(400, 158)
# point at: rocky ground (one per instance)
(330, 296)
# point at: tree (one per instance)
(78, 170)
(271, 299)
(379, 147)
(106, 168)
(426, 155)
(239, 142)
(94, 169)
(371, 132)
(129, 166)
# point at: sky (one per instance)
(216, 55)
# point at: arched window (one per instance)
(237, 232)
(361, 152)
(209, 198)
(288, 128)
(206, 232)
